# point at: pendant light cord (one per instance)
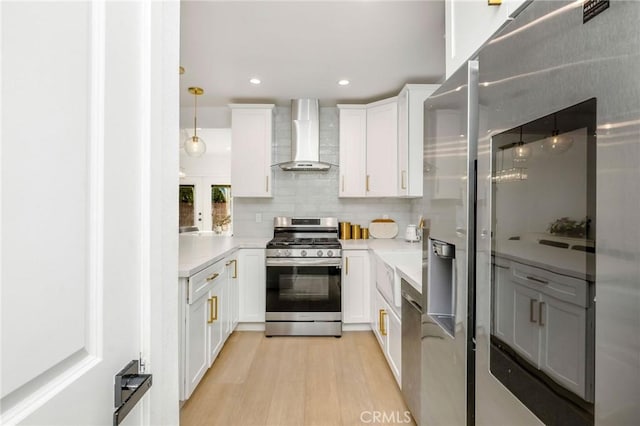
(195, 115)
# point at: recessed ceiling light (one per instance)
(343, 82)
(255, 81)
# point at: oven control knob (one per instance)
(319, 253)
(278, 253)
(303, 253)
(287, 252)
(329, 253)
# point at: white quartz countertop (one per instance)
(199, 250)
(562, 261)
(381, 244)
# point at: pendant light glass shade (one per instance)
(194, 146)
(521, 151)
(557, 143)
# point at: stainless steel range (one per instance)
(304, 261)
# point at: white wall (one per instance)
(208, 117)
(216, 162)
(469, 23)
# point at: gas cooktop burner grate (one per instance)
(304, 242)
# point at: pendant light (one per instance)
(195, 146)
(521, 151)
(557, 143)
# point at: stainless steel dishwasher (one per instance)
(412, 309)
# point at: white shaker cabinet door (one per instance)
(251, 137)
(526, 331)
(217, 321)
(353, 150)
(382, 149)
(356, 286)
(563, 334)
(381, 321)
(196, 348)
(394, 344)
(411, 138)
(234, 291)
(504, 302)
(252, 285)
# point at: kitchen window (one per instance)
(221, 209)
(206, 204)
(187, 205)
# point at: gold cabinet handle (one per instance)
(404, 179)
(267, 183)
(346, 265)
(235, 267)
(211, 319)
(367, 183)
(215, 301)
(540, 307)
(213, 276)
(383, 329)
(532, 306)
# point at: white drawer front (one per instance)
(571, 290)
(200, 283)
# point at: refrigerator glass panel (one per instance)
(543, 263)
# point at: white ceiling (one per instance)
(302, 48)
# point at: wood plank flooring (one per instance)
(297, 381)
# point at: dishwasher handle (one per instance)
(412, 301)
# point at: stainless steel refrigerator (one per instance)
(558, 277)
(537, 217)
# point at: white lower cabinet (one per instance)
(503, 312)
(234, 291)
(394, 345)
(252, 285)
(563, 336)
(543, 316)
(205, 323)
(526, 330)
(356, 286)
(196, 357)
(387, 327)
(218, 320)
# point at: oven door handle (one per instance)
(303, 262)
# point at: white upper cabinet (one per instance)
(251, 137)
(382, 149)
(353, 150)
(411, 137)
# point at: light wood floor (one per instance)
(296, 381)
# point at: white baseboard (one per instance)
(259, 326)
(356, 327)
(250, 326)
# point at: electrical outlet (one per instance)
(258, 217)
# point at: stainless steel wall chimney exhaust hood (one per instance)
(305, 137)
